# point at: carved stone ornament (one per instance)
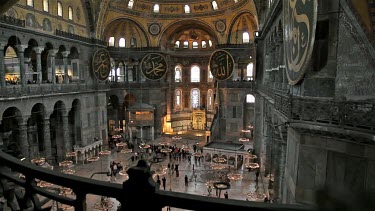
(300, 18)
(220, 26)
(153, 66)
(154, 29)
(101, 64)
(221, 65)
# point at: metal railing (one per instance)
(138, 193)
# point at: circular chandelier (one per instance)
(219, 160)
(66, 163)
(167, 150)
(103, 204)
(176, 137)
(68, 171)
(93, 159)
(38, 161)
(105, 152)
(120, 144)
(252, 165)
(124, 174)
(71, 154)
(235, 176)
(253, 196)
(218, 166)
(126, 151)
(144, 146)
(116, 136)
(244, 139)
(198, 154)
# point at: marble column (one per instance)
(282, 164)
(152, 133)
(268, 162)
(21, 57)
(22, 137)
(67, 139)
(65, 55)
(47, 138)
(38, 50)
(2, 64)
(52, 53)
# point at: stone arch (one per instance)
(239, 23)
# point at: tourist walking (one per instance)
(164, 181)
(186, 180)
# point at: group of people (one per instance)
(115, 167)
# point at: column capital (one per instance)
(38, 49)
(21, 48)
(65, 54)
(53, 52)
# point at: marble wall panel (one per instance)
(370, 181)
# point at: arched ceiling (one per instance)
(6, 4)
(124, 28)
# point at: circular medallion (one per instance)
(153, 66)
(154, 29)
(101, 64)
(220, 26)
(221, 65)
(299, 35)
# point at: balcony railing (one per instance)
(236, 84)
(12, 21)
(46, 89)
(140, 192)
(357, 115)
(79, 38)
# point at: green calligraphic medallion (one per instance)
(221, 65)
(101, 64)
(153, 66)
(300, 18)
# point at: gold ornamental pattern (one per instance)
(221, 65)
(101, 64)
(300, 18)
(154, 66)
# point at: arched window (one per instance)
(133, 42)
(178, 99)
(194, 96)
(59, 9)
(121, 42)
(30, 3)
(120, 72)
(204, 44)
(210, 77)
(195, 74)
(177, 74)
(177, 44)
(195, 44)
(70, 11)
(186, 44)
(187, 8)
(250, 98)
(210, 99)
(245, 37)
(111, 41)
(235, 1)
(130, 4)
(46, 5)
(214, 5)
(250, 72)
(210, 43)
(156, 8)
(269, 3)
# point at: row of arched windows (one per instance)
(194, 74)
(46, 8)
(122, 42)
(194, 99)
(156, 8)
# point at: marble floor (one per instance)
(202, 173)
(197, 184)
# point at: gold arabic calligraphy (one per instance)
(221, 65)
(297, 38)
(154, 66)
(101, 63)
